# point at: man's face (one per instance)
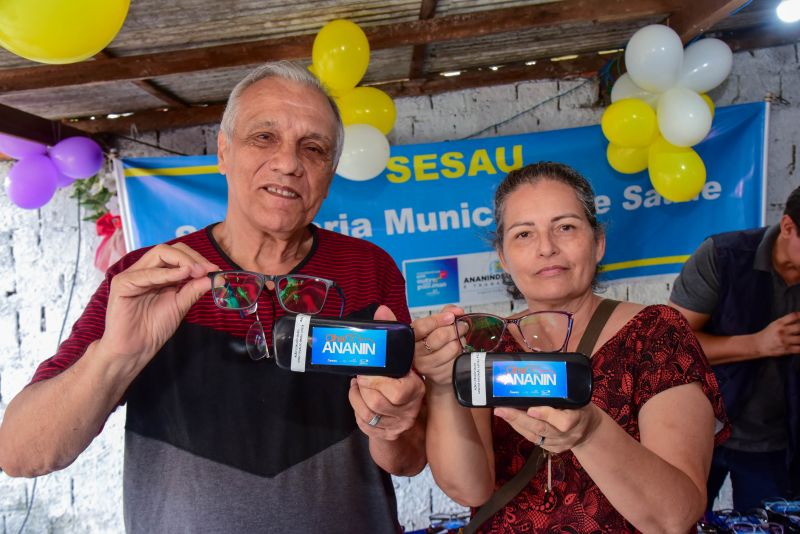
(791, 234)
(279, 159)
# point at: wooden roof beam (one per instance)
(584, 66)
(35, 128)
(437, 29)
(697, 16)
(150, 87)
(426, 11)
(765, 36)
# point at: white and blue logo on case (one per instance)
(348, 346)
(529, 379)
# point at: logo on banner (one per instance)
(492, 278)
(432, 282)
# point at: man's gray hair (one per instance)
(285, 70)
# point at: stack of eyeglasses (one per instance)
(785, 512)
(732, 522)
(448, 522)
(297, 293)
(543, 331)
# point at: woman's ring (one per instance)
(375, 420)
(541, 441)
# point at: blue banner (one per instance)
(431, 209)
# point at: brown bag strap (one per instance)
(595, 326)
(511, 489)
(508, 491)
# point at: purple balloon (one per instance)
(18, 148)
(31, 182)
(62, 180)
(77, 157)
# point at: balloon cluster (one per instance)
(340, 57)
(660, 110)
(55, 31)
(33, 180)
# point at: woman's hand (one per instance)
(562, 430)
(437, 345)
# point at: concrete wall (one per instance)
(38, 255)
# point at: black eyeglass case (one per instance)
(305, 343)
(523, 379)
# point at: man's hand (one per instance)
(148, 300)
(393, 406)
(395, 402)
(780, 337)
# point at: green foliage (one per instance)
(93, 195)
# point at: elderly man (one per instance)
(218, 439)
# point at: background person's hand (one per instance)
(148, 300)
(437, 345)
(780, 337)
(562, 429)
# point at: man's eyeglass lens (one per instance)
(541, 331)
(296, 293)
(239, 291)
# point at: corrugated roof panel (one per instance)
(460, 7)
(82, 101)
(154, 25)
(530, 44)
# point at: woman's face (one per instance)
(548, 246)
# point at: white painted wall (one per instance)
(38, 250)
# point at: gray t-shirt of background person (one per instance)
(762, 424)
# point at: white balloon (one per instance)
(706, 64)
(625, 87)
(683, 117)
(653, 58)
(365, 153)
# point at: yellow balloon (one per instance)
(340, 55)
(367, 105)
(629, 122)
(709, 102)
(677, 173)
(59, 31)
(627, 160)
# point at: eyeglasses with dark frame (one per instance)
(296, 293)
(542, 331)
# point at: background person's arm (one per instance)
(52, 421)
(780, 337)
(695, 293)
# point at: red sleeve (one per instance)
(393, 288)
(88, 328)
(670, 355)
